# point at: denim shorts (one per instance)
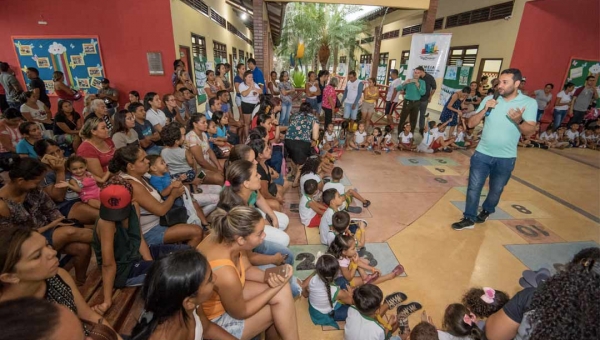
(156, 235)
(349, 112)
(233, 326)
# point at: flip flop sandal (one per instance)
(377, 152)
(366, 204)
(371, 277)
(398, 270)
(404, 311)
(395, 299)
(354, 210)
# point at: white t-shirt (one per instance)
(436, 133)
(327, 137)
(589, 138)
(406, 139)
(341, 189)
(572, 134)
(427, 139)
(460, 137)
(359, 327)
(387, 140)
(548, 136)
(324, 227)
(252, 97)
(359, 138)
(564, 97)
(156, 117)
(306, 177)
(306, 212)
(37, 114)
(352, 88)
(391, 89)
(318, 295)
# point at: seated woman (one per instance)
(197, 141)
(67, 124)
(23, 204)
(120, 249)
(134, 97)
(176, 285)
(30, 269)
(31, 133)
(55, 184)
(244, 303)
(97, 147)
(124, 132)
(33, 110)
(130, 162)
(273, 187)
(10, 135)
(98, 110)
(61, 89)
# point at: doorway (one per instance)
(185, 56)
(490, 67)
(391, 66)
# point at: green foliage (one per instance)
(298, 78)
(319, 25)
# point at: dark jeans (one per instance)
(138, 272)
(559, 116)
(3, 103)
(389, 106)
(577, 117)
(411, 107)
(328, 117)
(540, 113)
(422, 113)
(15, 105)
(499, 170)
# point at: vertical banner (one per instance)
(429, 51)
(455, 79)
(381, 73)
(200, 74)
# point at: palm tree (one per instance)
(323, 28)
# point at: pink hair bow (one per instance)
(470, 319)
(489, 295)
(227, 184)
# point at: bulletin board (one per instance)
(579, 69)
(79, 58)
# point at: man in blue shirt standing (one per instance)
(257, 75)
(506, 118)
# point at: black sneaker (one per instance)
(465, 223)
(404, 311)
(394, 299)
(482, 217)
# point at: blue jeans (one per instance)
(559, 116)
(319, 108)
(272, 248)
(313, 104)
(154, 150)
(539, 115)
(350, 113)
(284, 115)
(482, 166)
(138, 271)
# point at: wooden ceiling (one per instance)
(275, 13)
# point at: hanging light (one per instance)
(244, 16)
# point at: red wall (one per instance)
(551, 32)
(126, 30)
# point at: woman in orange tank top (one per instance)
(243, 302)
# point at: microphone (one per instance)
(489, 110)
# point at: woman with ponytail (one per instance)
(459, 324)
(245, 301)
(173, 291)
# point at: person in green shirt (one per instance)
(507, 117)
(413, 90)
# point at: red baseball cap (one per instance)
(115, 202)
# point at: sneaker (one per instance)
(394, 299)
(354, 210)
(482, 217)
(448, 150)
(404, 311)
(465, 223)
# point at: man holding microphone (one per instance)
(508, 114)
(413, 90)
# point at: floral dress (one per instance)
(36, 211)
(300, 128)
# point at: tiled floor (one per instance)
(414, 205)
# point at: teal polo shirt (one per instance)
(412, 92)
(500, 134)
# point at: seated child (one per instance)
(311, 170)
(365, 318)
(459, 323)
(428, 138)
(219, 145)
(84, 182)
(224, 138)
(375, 140)
(405, 139)
(572, 135)
(360, 138)
(344, 135)
(588, 139)
(424, 330)
(484, 302)
(440, 142)
(342, 224)
(327, 303)
(330, 140)
(180, 161)
(533, 141)
(333, 201)
(343, 248)
(336, 176)
(388, 143)
(459, 139)
(310, 210)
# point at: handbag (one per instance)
(176, 215)
(338, 104)
(98, 331)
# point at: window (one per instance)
(343, 60)
(231, 28)
(220, 51)
(366, 59)
(404, 57)
(251, 55)
(217, 18)
(495, 12)
(439, 24)
(234, 53)
(198, 46)
(242, 57)
(468, 55)
(198, 5)
(383, 58)
(390, 35)
(367, 40)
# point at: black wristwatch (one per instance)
(521, 122)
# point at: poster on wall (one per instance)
(579, 69)
(79, 58)
(342, 69)
(200, 67)
(381, 73)
(365, 71)
(429, 51)
(402, 72)
(460, 77)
